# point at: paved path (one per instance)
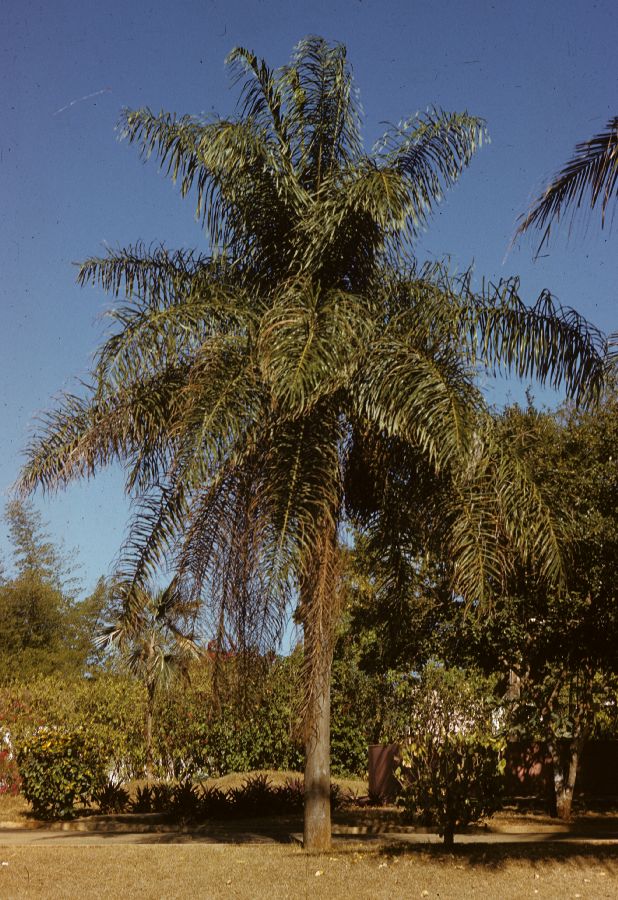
(45, 837)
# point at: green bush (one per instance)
(452, 782)
(59, 768)
(452, 763)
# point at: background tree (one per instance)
(238, 387)
(43, 627)
(156, 649)
(561, 644)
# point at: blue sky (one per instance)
(541, 73)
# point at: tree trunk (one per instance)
(564, 781)
(317, 830)
(449, 836)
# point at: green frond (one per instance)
(498, 516)
(591, 174)
(322, 111)
(86, 433)
(302, 477)
(430, 151)
(427, 400)
(262, 99)
(547, 342)
(309, 344)
(153, 275)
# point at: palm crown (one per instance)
(253, 392)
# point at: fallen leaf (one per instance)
(319, 872)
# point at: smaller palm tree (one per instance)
(591, 172)
(157, 647)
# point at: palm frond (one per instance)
(430, 151)
(591, 174)
(322, 115)
(428, 400)
(262, 99)
(547, 342)
(86, 433)
(309, 344)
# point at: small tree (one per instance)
(155, 648)
(452, 760)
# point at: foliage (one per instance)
(59, 768)
(111, 797)
(142, 802)
(155, 648)
(43, 628)
(185, 800)
(108, 707)
(452, 761)
(560, 645)
(10, 780)
(256, 796)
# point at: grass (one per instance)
(270, 872)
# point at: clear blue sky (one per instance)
(542, 73)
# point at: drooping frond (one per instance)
(310, 342)
(554, 345)
(84, 434)
(228, 557)
(430, 151)
(428, 400)
(589, 177)
(497, 516)
(153, 275)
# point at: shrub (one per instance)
(161, 797)
(186, 800)
(256, 796)
(111, 797)
(143, 800)
(452, 764)
(59, 768)
(214, 802)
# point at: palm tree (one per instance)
(591, 173)
(155, 648)
(244, 389)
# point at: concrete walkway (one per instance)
(11, 837)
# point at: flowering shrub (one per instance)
(59, 768)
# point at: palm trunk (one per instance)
(317, 829)
(148, 730)
(319, 597)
